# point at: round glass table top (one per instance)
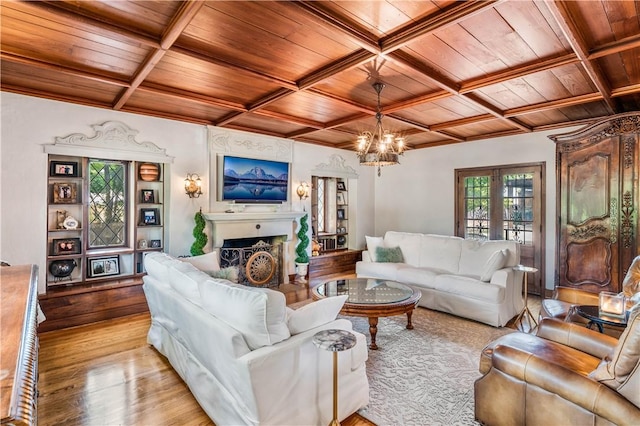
(366, 291)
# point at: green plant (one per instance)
(303, 241)
(201, 238)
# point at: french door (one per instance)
(505, 203)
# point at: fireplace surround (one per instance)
(258, 225)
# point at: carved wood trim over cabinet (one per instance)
(597, 203)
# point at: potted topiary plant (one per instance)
(198, 232)
(302, 258)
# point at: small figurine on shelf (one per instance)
(61, 215)
(315, 248)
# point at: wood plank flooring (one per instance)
(106, 374)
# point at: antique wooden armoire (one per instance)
(597, 203)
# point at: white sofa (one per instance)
(246, 357)
(467, 278)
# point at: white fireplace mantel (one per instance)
(251, 224)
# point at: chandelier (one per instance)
(379, 147)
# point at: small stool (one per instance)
(334, 341)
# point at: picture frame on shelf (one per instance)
(103, 266)
(64, 246)
(340, 198)
(63, 169)
(341, 214)
(149, 217)
(156, 243)
(147, 196)
(341, 186)
(65, 193)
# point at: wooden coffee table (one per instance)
(371, 298)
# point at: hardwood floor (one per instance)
(106, 374)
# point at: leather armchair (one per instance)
(561, 304)
(564, 374)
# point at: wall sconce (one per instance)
(193, 185)
(303, 190)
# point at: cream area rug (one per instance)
(424, 376)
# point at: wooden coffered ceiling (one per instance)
(454, 71)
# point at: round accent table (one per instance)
(334, 341)
(592, 313)
(371, 298)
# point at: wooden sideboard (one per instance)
(19, 353)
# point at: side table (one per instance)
(334, 341)
(525, 313)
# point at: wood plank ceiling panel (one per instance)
(454, 71)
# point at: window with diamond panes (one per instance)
(107, 203)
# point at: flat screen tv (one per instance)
(249, 180)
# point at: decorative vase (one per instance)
(149, 172)
(62, 268)
(301, 271)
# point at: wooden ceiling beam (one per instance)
(418, 100)
(560, 103)
(20, 90)
(412, 123)
(627, 43)
(462, 122)
(344, 64)
(427, 24)
(232, 116)
(572, 33)
(179, 22)
(74, 72)
(269, 98)
(346, 102)
(519, 72)
(491, 109)
(626, 90)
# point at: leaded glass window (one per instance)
(477, 205)
(107, 203)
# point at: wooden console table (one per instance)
(19, 353)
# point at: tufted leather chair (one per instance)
(564, 374)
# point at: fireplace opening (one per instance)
(259, 260)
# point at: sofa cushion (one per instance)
(423, 277)
(315, 314)
(207, 262)
(475, 255)
(470, 288)
(258, 313)
(389, 254)
(495, 262)
(620, 370)
(372, 244)
(440, 252)
(157, 265)
(229, 273)
(184, 278)
(408, 242)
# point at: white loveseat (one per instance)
(467, 278)
(246, 357)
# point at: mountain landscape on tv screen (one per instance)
(255, 174)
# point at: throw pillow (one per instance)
(617, 369)
(206, 263)
(315, 314)
(372, 244)
(496, 261)
(229, 273)
(389, 255)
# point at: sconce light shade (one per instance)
(303, 190)
(193, 185)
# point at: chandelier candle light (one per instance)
(380, 147)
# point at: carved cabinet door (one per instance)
(597, 176)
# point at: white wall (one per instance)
(418, 195)
(27, 123)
